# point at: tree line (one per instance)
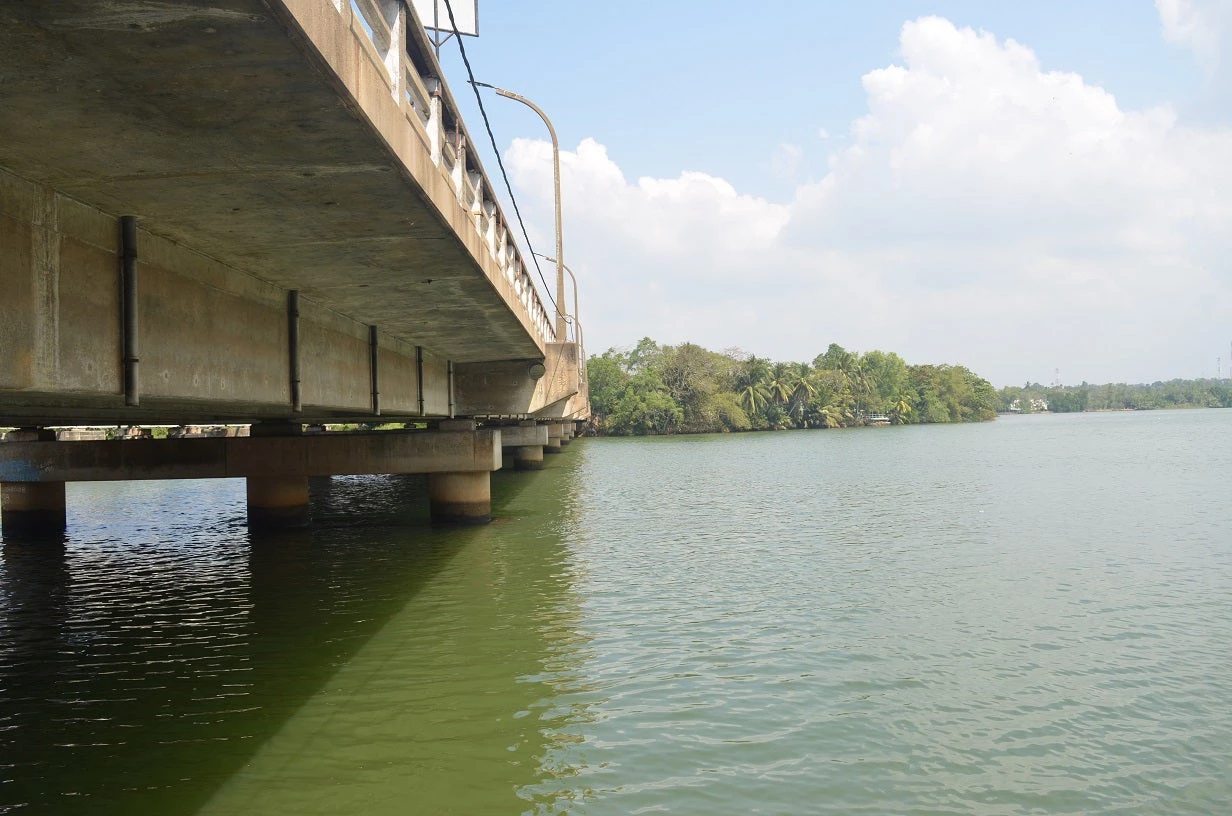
(654, 389)
(1205, 393)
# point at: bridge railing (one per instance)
(398, 41)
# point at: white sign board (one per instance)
(435, 16)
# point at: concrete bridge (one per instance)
(261, 212)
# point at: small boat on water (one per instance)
(876, 419)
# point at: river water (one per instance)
(1026, 616)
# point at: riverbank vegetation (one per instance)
(1034, 397)
(654, 389)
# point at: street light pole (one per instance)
(576, 317)
(560, 250)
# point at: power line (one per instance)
(492, 138)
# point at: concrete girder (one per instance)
(259, 457)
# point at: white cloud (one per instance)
(1203, 26)
(984, 211)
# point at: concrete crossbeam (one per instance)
(311, 455)
(521, 435)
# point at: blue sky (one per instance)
(801, 187)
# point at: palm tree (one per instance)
(804, 392)
(781, 383)
(753, 398)
(900, 410)
(831, 416)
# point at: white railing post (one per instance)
(435, 125)
(476, 182)
(489, 232)
(459, 166)
(395, 15)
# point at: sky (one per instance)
(1037, 191)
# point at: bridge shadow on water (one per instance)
(154, 661)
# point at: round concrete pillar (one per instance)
(275, 502)
(32, 510)
(554, 440)
(528, 457)
(461, 497)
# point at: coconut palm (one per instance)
(753, 398)
(900, 410)
(781, 383)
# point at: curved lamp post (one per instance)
(576, 317)
(560, 251)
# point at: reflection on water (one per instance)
(162, 662)
(1028, 616)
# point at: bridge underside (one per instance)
(232, 131)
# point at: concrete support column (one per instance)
(555, 430)
(32, 510)
(277, 502)
(463, 497)
(528, 457)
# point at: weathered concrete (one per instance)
(262, 146)
(216, 458)
(522, 445)
(529, 433)
(528, 457)
(32, 510)
(555, 433)
(460, 498)
(510, 386)
(276, 502)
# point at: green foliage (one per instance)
(1034, 397)
(653, 389)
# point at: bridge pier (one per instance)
(464, 497)
(276, 502)
(33, 510)
(523, 444)
(275, 460)
(556, 431)
(528, 457)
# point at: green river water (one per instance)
(1027, 616)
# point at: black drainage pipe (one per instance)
(128, 313)
(297, 401)
(373, 363)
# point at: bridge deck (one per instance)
(265, 136)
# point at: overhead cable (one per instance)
(488, 126)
